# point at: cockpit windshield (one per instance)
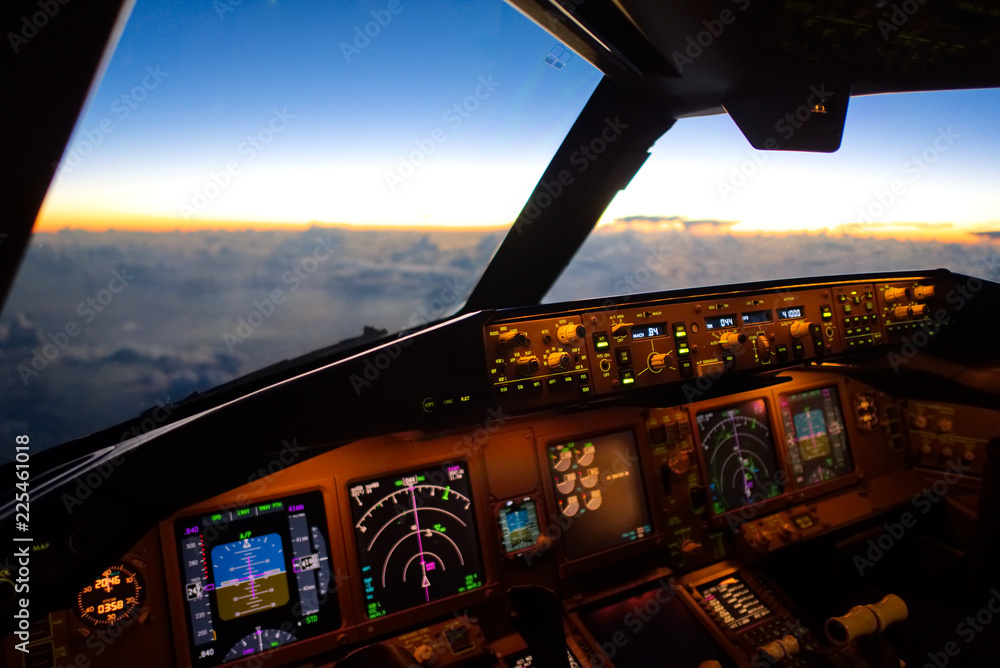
(251, 182)
(912, 185)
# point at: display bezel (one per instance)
(750, 510)
(498, 510)
(570, 565)
(798, 492)
(398, 618)
(173, 562)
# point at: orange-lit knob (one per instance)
(732, 339)
(526, 365)
(658, 361)
(619, 330)
(799, 328)
(514, 339)
(923, 292)
(897, 294)
(763, 348)
(570, 333)
(557, 361)
(902, 312)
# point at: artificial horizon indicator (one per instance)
(256, 577)
(817, 440)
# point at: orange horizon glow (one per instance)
(49, 222)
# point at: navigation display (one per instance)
(256, 577)
(816, 439)
(739, 455)
(415, 534)
(598, 483)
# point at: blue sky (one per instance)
(353, 105)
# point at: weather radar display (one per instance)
(416, 538)
(817, 442)
(739, 454)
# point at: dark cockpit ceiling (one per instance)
(430, 396)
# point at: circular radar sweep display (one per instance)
(113, 596)
(261, 640)
(739, 454)
(416, 538)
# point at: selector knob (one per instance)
(800, 328)
(918, 310)
(658, 361)
(515, 339)
(570, 333)
(923, 292)
(619, 330)
(526, 365)
(902, 312)
(897, 294)
(557, 361)
(763, 348)
(732, 339)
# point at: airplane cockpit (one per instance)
(789, 472)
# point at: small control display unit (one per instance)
(518, 523)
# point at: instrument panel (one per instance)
(410, 536)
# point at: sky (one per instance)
(252, 113)
(243, 123)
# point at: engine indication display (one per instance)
(817, 442)
(416, 538)
(256, 577)
(597, 482)
(739, 454)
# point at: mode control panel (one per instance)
(538, 362)
(602, 351)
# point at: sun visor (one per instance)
(807, 117)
